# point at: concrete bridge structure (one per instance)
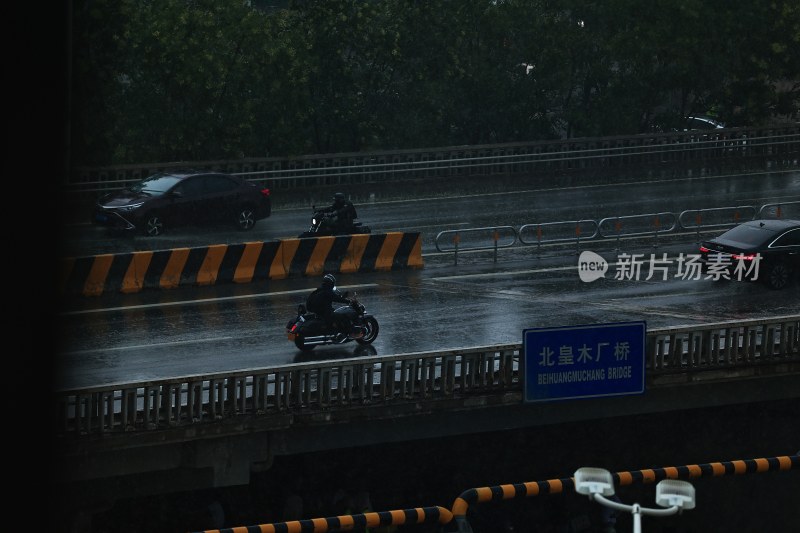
(206, 431)
(200, 432)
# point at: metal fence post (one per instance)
(657, 225)
(698, 218)
(538, 240)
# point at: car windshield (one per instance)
(156, 184)
(748, 234)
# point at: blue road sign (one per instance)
(584, 361)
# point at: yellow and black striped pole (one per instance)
(627, 477)
(418, 515)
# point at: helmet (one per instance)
(328, 280)
(338, 198)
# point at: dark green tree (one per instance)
(190, 80)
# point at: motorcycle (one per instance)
(322, 225)
(308, 330)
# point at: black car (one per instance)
(171, 199)
(774, 242)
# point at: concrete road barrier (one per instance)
(239, 263)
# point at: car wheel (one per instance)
(778, 275)
(153, 225)
(245, 219)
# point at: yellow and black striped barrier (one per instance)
(628, 477)
(418, 515)
(458, 513)
(239, 263)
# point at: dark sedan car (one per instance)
(173, 199)
(774, 243)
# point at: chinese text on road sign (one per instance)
(584, 361)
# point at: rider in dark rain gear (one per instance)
(344, 213)
(321, 302)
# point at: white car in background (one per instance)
(700, 122)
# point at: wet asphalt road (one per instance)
(457, 209)
(476, 302)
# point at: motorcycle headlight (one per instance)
(313, 220)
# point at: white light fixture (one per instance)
(597, 483)
(590, 481)
(675, 493)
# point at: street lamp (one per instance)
(597, 483)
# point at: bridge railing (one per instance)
(385, 380)
(566, 155)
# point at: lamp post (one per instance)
(674, 494)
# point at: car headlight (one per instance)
(131, 207)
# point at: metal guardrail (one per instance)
(496, 237)
(493, 237)
(567, 155)
(717, 217)
(554, 232)
(426, 376)
(633, 225)
(616, 227)
(779, 210)
(636, 225)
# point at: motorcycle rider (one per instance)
(344, 214)
(322, 299)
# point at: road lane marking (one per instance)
(140, 346)
(205, 300)
(498, 274)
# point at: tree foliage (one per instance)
(183, 80)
